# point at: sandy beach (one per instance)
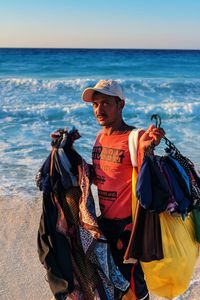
(22, 277)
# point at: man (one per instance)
(113, 167)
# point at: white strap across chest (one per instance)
(133, 145)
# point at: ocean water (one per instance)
(40, 91)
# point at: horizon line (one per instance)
(97, 48)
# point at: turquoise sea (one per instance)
(40, 91)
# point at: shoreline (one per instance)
(22, 275)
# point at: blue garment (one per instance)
(182, 173)
(151, 189)
(180, 197)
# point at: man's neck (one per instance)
(117, 128)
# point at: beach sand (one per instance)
(22, 277)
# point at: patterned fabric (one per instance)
(92, 238)
(96, 275)
(87, 279)
(88, 217)
(190, 171)
(71, 246)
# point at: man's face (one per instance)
(107, 109)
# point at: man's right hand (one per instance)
(152, 134)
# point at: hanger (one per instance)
(170, 145)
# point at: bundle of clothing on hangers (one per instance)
(71, 246)
(169, 184)
(165, 235)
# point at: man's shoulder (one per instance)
(126, 129)
(130, 127)
(99, 133)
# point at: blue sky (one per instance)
(100, 24)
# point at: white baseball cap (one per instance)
(107, 87)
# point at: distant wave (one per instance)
(134, 84)
(53, 99)
(79, 110)
(135, 88)
(170, 108)
(10, 84)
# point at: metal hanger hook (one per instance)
(158, 120)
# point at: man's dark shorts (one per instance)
(113, 231)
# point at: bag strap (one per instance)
(133, 145)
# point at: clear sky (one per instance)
(100, 23)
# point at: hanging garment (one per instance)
(146, 241)
(196, 219)
(170, 276)
(180, 173)
(192, 175)
(90, 272)
(188, 166)
(179, 191)
(151, 188)
(54, 251)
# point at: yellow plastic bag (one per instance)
(170, 277)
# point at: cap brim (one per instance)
(87, 95)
